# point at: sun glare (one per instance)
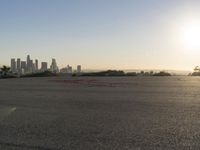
(191, 35)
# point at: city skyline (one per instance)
(29, 66)
(103, 34)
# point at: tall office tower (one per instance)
(23, 67)
(36, 65)
(69, 69)
(13, 65)
(31, 66)
(18, 65)
(44, 66)
(79, 69)
(54, 67)
(28, 69)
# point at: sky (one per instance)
(102, 34)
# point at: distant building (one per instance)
(18, 65)
(79, 69)
(69, 69)
(28, 61)
(54, 67)
(36, 65)
(44, 66)
(23, 64)
(23, 67)
(63, 70)
(13, 65)
(31, 69)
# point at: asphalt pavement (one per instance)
(105, 113)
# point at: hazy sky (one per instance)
(102, 34)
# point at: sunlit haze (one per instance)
(103, 34)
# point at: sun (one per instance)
(191, 34)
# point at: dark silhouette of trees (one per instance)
(105, 73)
(122, 73)
(162, 73)
(5, 70)
(196, 71)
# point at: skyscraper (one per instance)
(69, 69)
(18, 65)
(44, 66)
(23, 67)
(31, 66)
(28, 69)
(36, 65)
(79, 69)
(54, 67)
(13, 65)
